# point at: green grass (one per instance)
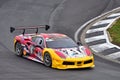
(115, 32)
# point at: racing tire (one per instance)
(18, 49)
(47, 59)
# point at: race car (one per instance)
(52, 49)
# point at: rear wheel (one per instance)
(47, 59)
(18, 49)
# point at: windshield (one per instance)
(64, 42)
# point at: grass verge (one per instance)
(115, 32)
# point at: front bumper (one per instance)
(73, 63)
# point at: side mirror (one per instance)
(79, 43)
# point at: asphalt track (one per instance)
(65, 16)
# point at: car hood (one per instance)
(75, 52)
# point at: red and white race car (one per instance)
(52, 49)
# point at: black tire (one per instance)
(18, 49)
(47, 59)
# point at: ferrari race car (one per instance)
(52, 49)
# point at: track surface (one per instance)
(65, 16)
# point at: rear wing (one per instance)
(12, 29)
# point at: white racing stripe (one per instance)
(91, 39)
(104, 22)
(101, 47)
(114, 55)
(95, 30)
(113, 15)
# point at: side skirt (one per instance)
(33, 59)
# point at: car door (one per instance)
(38, 47)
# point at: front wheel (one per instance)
(47, 60)
(19, 49)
